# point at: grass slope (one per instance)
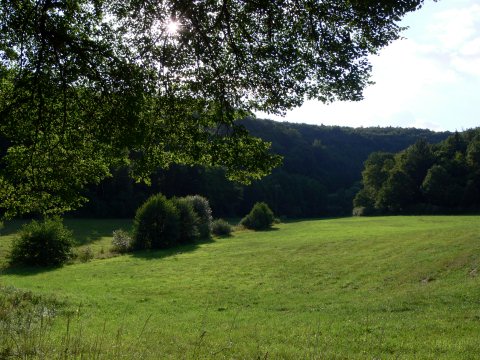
(384, 287)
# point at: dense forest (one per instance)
(320, 175)
(424, 178)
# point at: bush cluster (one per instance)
(202, 208)
(86, 254)
(189, 220)
(221, 227)
(161, 223)
(156, 224)
(42, 243)
(259, 218)
(121, 241)
(362, 211)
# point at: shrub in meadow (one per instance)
(259, 218)
(156, 224)
(189, 221)
(359, 211)
(42, 243)
(86, 254)
(121, 241)
(363, 211)
(201, 206)
(221, 227)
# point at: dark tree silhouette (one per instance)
(87, 85)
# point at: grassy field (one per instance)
(352, 288)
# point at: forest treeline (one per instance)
(423, 178)
(320, 174)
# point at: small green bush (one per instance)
(221, 227)
(259, 218)
(85, 255)
(121, 241)
(202, 208)
(42, 243)
(359, 211)
(363, 211)
(156, 224)
(189, 221)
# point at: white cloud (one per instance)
(471, 48)
(467, 66)
(426, 124)
(452, 27)
(456, 32)
(429, 80)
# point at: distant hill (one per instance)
(331, 157)
(334, 154)
(320, 175)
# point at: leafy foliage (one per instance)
(260, 217)
(189, 220)
(362, 211)
(424, 177)
(221, 227)
(201, 207)
(161, 222)
(121, 241)
(313, 181)
(42, 243)
(87, 85)
(86, 254)
(156, 224)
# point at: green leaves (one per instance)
(424, 177)
(86, 84)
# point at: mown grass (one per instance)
(353, 288)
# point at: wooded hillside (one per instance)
(424, 178)
(320, 175)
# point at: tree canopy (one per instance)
(444, 177)
(87, 85)
(319, 176)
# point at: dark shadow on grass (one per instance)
(143, 254)
(264, 230)
(11, 227)
(85, 231)
(269, 229)
(223, 236)
(24, 270)
(298, 220)
(176, 250)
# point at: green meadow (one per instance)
(348, 288)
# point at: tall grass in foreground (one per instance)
(39, 327)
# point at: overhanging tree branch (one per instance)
(86, 85)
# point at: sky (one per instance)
(430, 79)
